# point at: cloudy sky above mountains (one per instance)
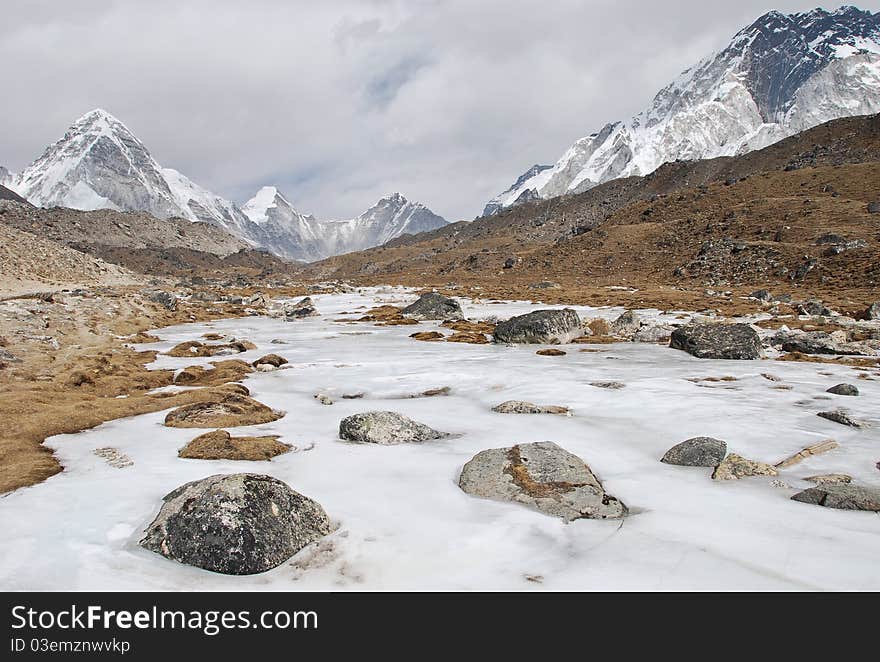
(339, 103)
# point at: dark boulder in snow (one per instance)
(433, 306)
(843, 389)
(696, 452)
(238, 524)
(842, 496)
(717, 341)
(551, 327)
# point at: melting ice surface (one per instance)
(402, 521)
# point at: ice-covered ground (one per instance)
(402, 521)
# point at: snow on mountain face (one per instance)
(497, 202)
(296, 236)
(6, 177)
(99, 164)
(780, 76)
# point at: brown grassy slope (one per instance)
(29, 263)
(638, 230)
(144, 244)
(75, 386)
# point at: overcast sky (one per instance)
(341, 102)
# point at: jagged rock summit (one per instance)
(298, 236)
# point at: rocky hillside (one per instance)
(29, 264)
(142, 243)
(7, 194)
(755, 219)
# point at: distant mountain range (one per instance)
(100, 164)
(779, 76)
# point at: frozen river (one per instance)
(403, 523)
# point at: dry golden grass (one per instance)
(222, 373)
(229, 410)
(220, 445)
(38, 398)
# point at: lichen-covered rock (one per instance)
(546, 327)
(718, 341)
(626, 325)
(696, 452)
(842, 417)
(220, 445)
(233, 410)
(844, 389)
(521, 407)
(386, 428)
(544, 477)
(734, 467)
(434, 306)
(841, 496)
(238, 524)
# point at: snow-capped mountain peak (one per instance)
(267, 198)
(300, 237)
(782, 74)
(99, 163)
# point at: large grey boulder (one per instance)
(237, 524)
(433, 306)
(842, 496)
(696, 452)
(386, 428)
(547, 327)
(717, 341)
(542, 476)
